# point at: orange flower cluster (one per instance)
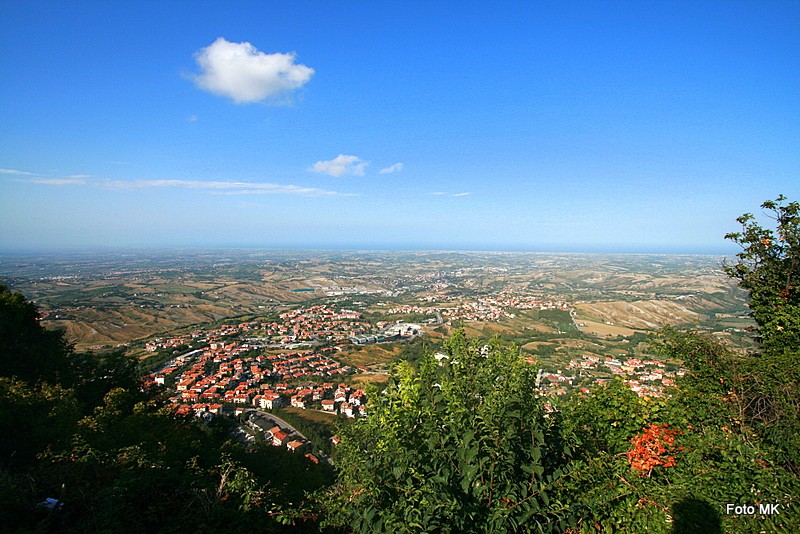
(650, 449)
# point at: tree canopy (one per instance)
(27, 350)
(78, 428)
(768, 267)
(459, 444)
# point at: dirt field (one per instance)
(364, 379)
(127, 323)
(646, 314)
(381, 354)
(602, 329)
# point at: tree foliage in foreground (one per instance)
(456, 445)
(673, 465)
(463, 445)
(768, 267)
(77, 428)
(28, 351)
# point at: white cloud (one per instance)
(341, 165)
(218, 187)
(58, 181)
(397, 167)
(192, 118)
(464, 194)
(225, 187)
(245, 75)
(16, 172)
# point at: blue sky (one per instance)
(545, 126)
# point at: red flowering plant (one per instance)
(653, 448)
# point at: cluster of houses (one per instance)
(314, 323)
(647, 378)
(407, 309)
(337, 291)
(170, 343)
(279, 437)
(317, 322)
(223, 378)
(527, 302)
(232, 373)
(341, 399)
(203, 336)
(484, 309)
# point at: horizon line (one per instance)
(597, 249)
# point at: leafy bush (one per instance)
(457, 445)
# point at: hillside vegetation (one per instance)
(78, 429)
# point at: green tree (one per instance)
(606, 420)
(27, 350)
(768, 268)
(460, 444)
(32, 418)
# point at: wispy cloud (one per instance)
(35, 178)
(341, 165)
(241, 72)
(217, 187)
(443, 194)
(397, 167)
(224, 187)
(72, 180)
(16, 172)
